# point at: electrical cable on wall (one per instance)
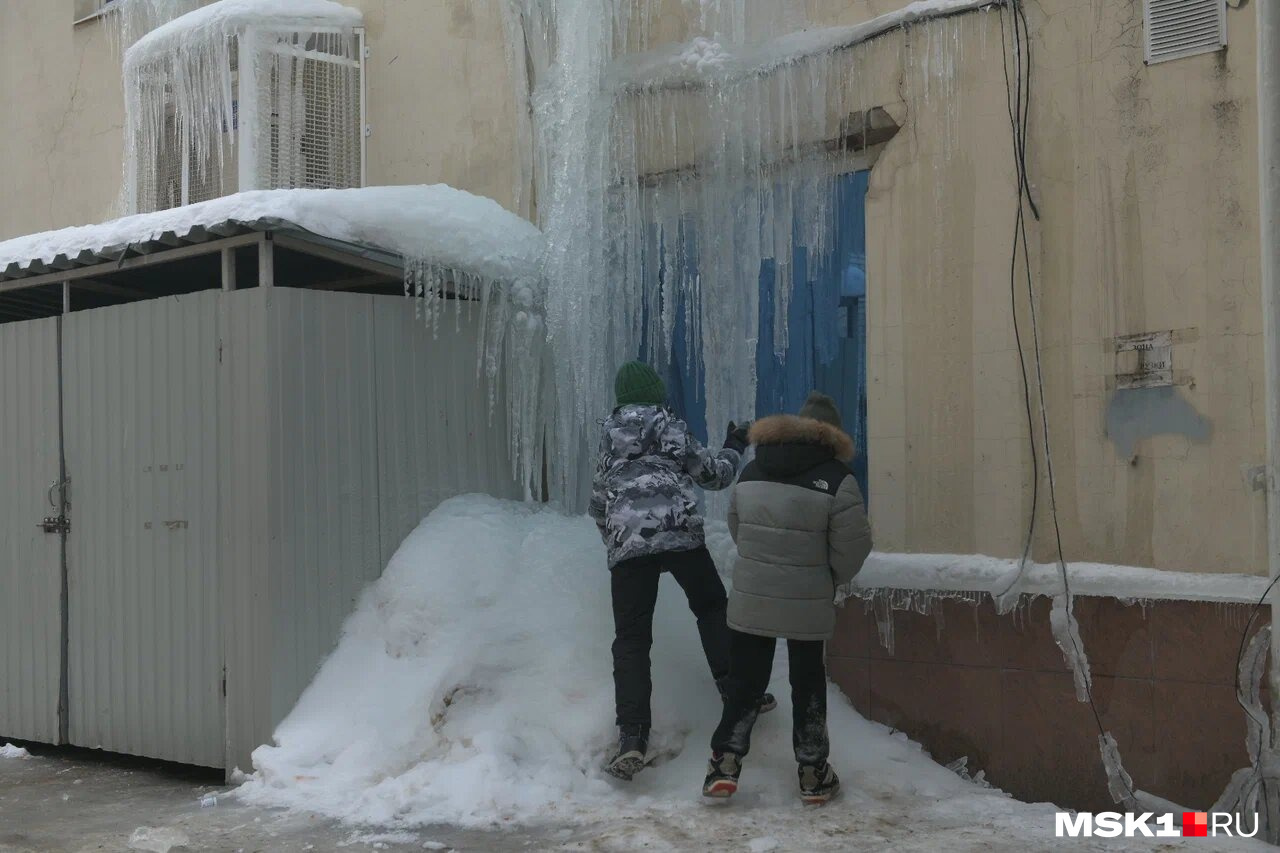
(1018, 101)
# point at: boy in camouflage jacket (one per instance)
(644, 503)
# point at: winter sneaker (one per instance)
(722, 775)
(818, 784)
(633, 743)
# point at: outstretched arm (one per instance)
(711, 471)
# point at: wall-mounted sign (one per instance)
(1155, 360)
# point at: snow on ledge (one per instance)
(447, 227)
(227, 16)
(691, 65)
(978, 573)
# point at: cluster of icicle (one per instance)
(512, 363)
(179, 100)
(660, 201)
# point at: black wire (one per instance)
(1020, 13)
(1019, 117)
(1013, 307)
(1244, 635)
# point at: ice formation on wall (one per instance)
(183, 85)
(667, 177)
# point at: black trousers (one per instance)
(751, 664)
(635, 592)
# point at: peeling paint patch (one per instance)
(1138, 413)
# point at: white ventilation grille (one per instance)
(220, 105)
(1178, 28)
(311, 112)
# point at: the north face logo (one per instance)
(821, 484)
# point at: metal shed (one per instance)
(213, 440)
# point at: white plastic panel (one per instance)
(30, 559)
(144, 660)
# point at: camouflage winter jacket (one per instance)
(642, 498)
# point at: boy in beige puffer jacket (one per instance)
(801, 527)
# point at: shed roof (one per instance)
(436, 224)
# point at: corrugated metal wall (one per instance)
(368, 422)
(246, 530)
(144, 655)
(243, 465)
(436, 436)
(30, 559)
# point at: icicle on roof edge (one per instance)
(226, 16)
(693, 64)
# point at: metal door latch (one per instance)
(55, 524)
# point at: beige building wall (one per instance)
(440, 107)
(1146, 178)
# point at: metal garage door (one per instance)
(30, 559)
(140, 397)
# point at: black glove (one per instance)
(735, 437)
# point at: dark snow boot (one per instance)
(722, 775)
(633, 743)
(818, 784)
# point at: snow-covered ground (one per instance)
(472, 687)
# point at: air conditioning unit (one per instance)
(231, 97)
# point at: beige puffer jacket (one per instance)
(801, 527)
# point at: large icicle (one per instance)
(663, 202)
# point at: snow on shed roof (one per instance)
(227, 16)
(446, 227)
(692, 64)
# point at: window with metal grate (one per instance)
(1178, 28)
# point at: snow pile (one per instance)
(449, 227)
(11, 751)
(995, 575)
(473, 685)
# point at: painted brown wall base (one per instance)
(966, 681)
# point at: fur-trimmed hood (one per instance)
(793, 429)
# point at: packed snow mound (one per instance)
(450, 228)
(472, 685)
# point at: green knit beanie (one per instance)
(637, 382)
